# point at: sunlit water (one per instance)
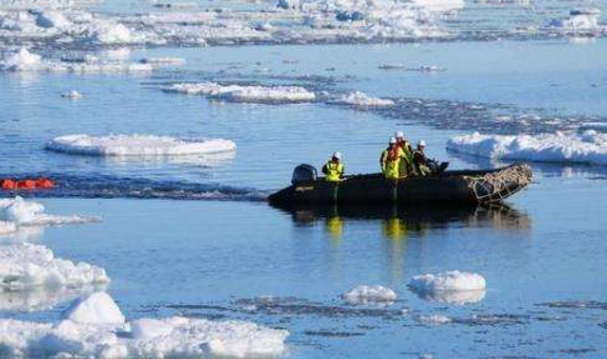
(543, 258)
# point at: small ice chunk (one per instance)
(589, 147)
(137, 145)
(20, 60)
(448, 281)
(50, 18)
(7, 227)
(360, 99)
(394, 66)
(72, 95)
(163, 60)
(434, 319)
(28, 213)
(95, 308)
(364, 294)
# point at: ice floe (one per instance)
(103, 335)
(41, 298)
(24, 266)
(364, 294)
(453, 287)
(251, 94)
(433, 319)
(589, 147)
(448, 281)
(137, 145)
(25, 61)
(95, 308)
(163, 61)
(17, 212)
(72, 95)
(580, 21)
(360, 99)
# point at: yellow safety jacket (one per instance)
(334, 171)
(406, 164)
(390, 162)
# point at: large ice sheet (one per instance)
(253, 94)
(143, 338)
(589, 147)
(24, 266)
(137, 145)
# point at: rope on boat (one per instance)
(497, 186)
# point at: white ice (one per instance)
(25, 61)
(24, 266)
(364, 294)
(137, 145)
(433, 319)
(41, 298)
(580, 21)
(72, 95)
(589, 147)
(452, 287)
(102, 335)
(252, 94)
(360, 99)
(16, 212)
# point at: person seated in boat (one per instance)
(406, 165)
(334, 168)
(421, 164)
(391, 159)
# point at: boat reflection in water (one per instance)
(396, 223)
(409, 235)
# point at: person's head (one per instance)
(336, 156)
(400, 136)
(421, 145)
(392, 142)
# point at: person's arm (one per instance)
(343, 170)
(325, 170)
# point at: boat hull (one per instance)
(449, 188)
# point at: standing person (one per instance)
(334, 168)
(391, 159)
(420, 162)
(406, 165)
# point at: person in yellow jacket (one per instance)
(406, 164)
(334, 168)
(391, 159)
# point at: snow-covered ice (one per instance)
(25, 61)
(360, 99)
(95, 308)
(137, 145)
(41, 298)
(580, 21)
(453, 287)
(433, 319)
(448, 281)
(72, 95)
(589, 147)
(364, 294)
(24, 266)
(103, 335)
(16, 212)
(252, 94)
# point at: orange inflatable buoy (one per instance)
(44, 183)
(26, 184)
(8, 184)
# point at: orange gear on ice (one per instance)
(28, 184)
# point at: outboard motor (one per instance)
(303, 173)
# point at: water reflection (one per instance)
(396, 223)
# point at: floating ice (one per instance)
(95, 308)
(579, 20)
(24, 266)
(360, 99)
(163, 60)
(143, 338)
(20, 212)
(41, 298)
(433, 319)
(25, 61)
(364, 294)
(72, 95)
(252, 94)
(459, 297)
(448, 281)
(137, 145)
(590, 147)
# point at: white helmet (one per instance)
(337, 155)
(392, 140)
(421, 143)
(399, 134)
